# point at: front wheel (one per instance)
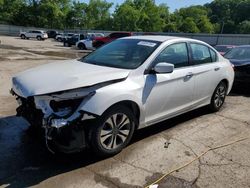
(218, 97)
(112, 131)
(39, 38)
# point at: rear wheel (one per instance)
(218, 97)
(23, 37)
(112, 131)
(66, 44)
(82, 46)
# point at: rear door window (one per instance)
(200, 54)
(213, 55)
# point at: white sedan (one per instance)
(128, 84)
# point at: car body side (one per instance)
(132, 89)
(152, 97)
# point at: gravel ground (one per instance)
(154, 151)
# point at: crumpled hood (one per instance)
(62, 76)
(237, 62)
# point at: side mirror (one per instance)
(163, 68)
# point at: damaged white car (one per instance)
(100, 100)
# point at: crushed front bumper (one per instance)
(60, 135)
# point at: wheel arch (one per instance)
(226, 82)
(133, 106)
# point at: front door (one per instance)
(166, 95)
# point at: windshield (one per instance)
(238, 53)
(125, 53)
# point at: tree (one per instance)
(197, 16)
(126, 17)
(244, 27)
(189, 26)
(229, 13)
(97, 13)
(141, 15)
(75, 17)
(204, 25)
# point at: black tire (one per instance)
(23, 36)
(59, 39)
(82, 46)
(218, 97)
(98, 145)
(66, 44)
(39, 38)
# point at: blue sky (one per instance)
(173, 4)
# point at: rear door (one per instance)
(207, 71)
(29, 34)
(166, 95)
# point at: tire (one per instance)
(23, 37)
(39, 38)
(59, 39)
(82, 46)
(105, 138)
(218, 97)
(66, 44)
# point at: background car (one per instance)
(38, 34)
(240, 58)
(86, 44)
(222, 49)
(63, 36)
(128, 84)
(99, 41)
(52, 33)
(69, 41)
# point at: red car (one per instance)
(99, 41)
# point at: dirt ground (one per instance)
(189, 141)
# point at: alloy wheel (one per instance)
(115, 131)
(220, 96)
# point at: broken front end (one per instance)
(59, 114)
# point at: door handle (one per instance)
(217, 68)
(189, 75)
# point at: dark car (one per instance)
(73, 40)
(240, 58)
(222, 49)
(52, 33)
(99, 41)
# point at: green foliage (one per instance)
(140, 15)
(229, 13)
(244, 27)
(227, 16)
(189, 26)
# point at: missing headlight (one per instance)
(65, 107)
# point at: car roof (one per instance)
(161, 38)
(244, 46)
(226, 45)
